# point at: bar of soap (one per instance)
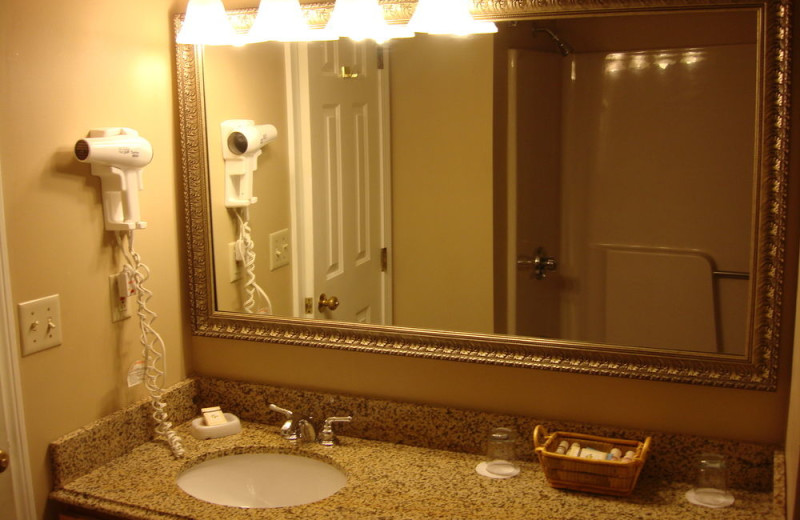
(213, 416)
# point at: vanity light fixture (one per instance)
(451, 17)
(206, 23)
(363, 20)
(283, 21)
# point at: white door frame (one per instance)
(300, 205)
(11, 389)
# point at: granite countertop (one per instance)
(385, 481)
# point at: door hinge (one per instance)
(379, 49)
(384, 259)
(309, 305)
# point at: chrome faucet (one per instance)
(296, 430)
(299, 430)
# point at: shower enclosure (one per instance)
(628, 193)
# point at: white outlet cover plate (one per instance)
(119, 305)
(40, 324)
(233, 264)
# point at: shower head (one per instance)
(563, 47)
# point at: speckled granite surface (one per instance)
(750, 464)
(424, 470)
(87, 448)
(385, 481)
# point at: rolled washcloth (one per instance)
(591, 453)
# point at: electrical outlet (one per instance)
(279, 251)
(118, 299)
(40, 324)
(233, 263)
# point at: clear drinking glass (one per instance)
(500, 451)
(711, 488)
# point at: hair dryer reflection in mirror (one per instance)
(242, 141)
(117, 156)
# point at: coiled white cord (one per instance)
(153, 345)
(248, 254)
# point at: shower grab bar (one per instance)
(736, 275)
(716, 274)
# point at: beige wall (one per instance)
(669, 407)
(793, 433)
(442, 182)
(249, 83)
(68, 66)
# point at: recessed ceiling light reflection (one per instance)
(639, 62)
(663, 60)
(614, 66)
(614, 63)
(692, 57)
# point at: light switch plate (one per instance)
(280, 252)
(40, 324)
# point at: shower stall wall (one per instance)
(633, 170)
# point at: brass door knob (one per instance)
(4, 460)
(330, 303)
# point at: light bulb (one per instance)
(206, 23)
(283, 20)
(362, 20)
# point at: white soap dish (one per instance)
(202, 431)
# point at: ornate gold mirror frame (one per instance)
(756, 370)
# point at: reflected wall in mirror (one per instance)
(603, 193)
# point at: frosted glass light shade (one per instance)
(206, 23)
(363, 20)
(447, 17)
(283, 21)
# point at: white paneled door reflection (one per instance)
(345, 222)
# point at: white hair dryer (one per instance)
(242, 141)
(117, 156)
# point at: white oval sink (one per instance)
(260, 480)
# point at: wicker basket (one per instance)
(607, 477)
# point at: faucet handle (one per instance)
(286, 429)
(284, 411)
(326, 436)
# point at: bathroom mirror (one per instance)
(750, 44)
